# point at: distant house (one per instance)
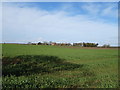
(53, 44)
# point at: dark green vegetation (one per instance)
(36, 66)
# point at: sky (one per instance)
(95, 22)
(60, 0)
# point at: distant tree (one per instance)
(84, 44)
(96, 45)
(45, 43)
(68, 44)
(90, 44)
(33, 43)
(29, 43)
(80, 44)
(50, 42)
(39, 43)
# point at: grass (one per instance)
(37, 66)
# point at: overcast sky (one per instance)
(61, 22)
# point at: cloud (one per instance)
(91, 8)
(110, 10)
(103, 9)
(30, 24)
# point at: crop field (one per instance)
(42, 66)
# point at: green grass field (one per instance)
(37, 66)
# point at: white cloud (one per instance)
(92, 8)
(30, 24)
(108, 9)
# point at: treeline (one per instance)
(86, 44)
(66, 44)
